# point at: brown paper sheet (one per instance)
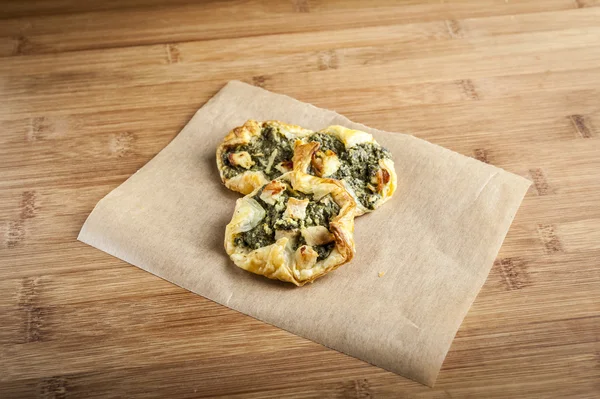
(436, 239)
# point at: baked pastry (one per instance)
(257, 152)
(296, 228)
(353, 157)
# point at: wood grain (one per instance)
(93, 90)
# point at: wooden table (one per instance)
(93, 90)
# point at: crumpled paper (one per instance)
(421, 259)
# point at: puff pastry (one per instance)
(296, 228)
(353, 157)
(257, 152)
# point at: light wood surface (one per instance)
(90, 91)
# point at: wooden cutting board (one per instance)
(93, 90)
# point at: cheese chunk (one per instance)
(306, 257)
(242, 159)
(317, 235)
(284, 166)
(325, 163)
(272, 192)
(296, 209)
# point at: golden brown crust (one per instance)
(249, 180)
(303, 155)
(279, 260)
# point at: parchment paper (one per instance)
(436, 240)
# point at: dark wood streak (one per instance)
(28, 291)
(173, 54)
(454, 29)
(15, 233)
(468, 89)
(53, 388)
(549, 238)
(481, 154)
(539, 181)
(327, 60)
(28, 205)
(360, 389)
(301, 6)
(38, 126)
(514, 273)
(259, 80)
(22, 45)
(581, 125)
(33, 314)
(121, 144)
(34, 317)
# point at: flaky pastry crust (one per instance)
(252, 176)
(280, 260)
(384, 182)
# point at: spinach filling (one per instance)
(358, 165)
(318, 213)
(329, 142)
(261, 149)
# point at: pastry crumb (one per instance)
(380, 274)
